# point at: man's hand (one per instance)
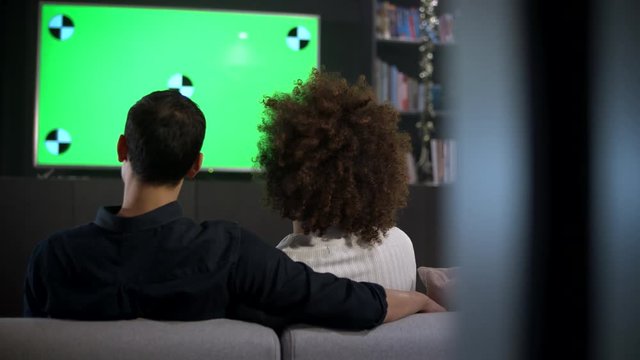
(432, 306)
(404, 303)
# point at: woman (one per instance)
(334, 163)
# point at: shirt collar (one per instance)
(107, 218)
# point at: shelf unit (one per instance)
(399, 45)
(403, 41)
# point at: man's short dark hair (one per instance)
(164, 134)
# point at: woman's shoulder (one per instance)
(393, 237)
(395, 234)
(397, 240)
(295, 241)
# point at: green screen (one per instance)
(95, 62)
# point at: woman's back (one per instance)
(390, 263)
(333, 158)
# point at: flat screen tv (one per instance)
(95, 61)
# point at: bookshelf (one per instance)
(407, 73)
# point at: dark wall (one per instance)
(17, 84)
(346, 30)
(32, 209)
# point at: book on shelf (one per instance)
(403, 23)
(436, 96)
(420, 100)
(443, 161)
(433, 35)
(393, 86)
(414, 31)
(397, 22)
(446, 28)
(405, 93)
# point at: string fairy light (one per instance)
(429, 24)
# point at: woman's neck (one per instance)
(297, 227)
(332, 231)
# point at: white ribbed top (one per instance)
(391, 263)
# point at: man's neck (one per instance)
(140, 198)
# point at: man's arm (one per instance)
(34, 289)
(268, 279)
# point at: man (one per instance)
(144, 259)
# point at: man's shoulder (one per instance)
(231, 230)
(222, 231)
(80, 231)
(63, 239)
(220, 224)
(221, 227)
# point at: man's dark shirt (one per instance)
(161, 265)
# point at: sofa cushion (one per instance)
(440, 284)
(135, 339)
(419, 336)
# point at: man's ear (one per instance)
(195, 168)
(123, 150)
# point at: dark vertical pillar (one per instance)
(520, 216)
(488, 211)
(558, 82)
(615, 103)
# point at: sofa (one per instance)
(420, 336)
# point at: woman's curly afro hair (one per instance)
(333, 156)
